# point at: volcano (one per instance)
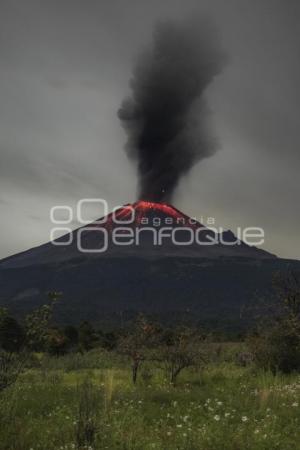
(142, 229)
(169, 280)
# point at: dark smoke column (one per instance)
(165, 117)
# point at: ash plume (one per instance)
(166, 116)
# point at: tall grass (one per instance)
(62, 405)
(87, 425)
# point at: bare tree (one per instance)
(186, 348)
(137, 344)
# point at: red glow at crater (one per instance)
(142, 211)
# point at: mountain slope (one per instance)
(196, 282)
(142, 223)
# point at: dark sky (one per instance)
(64, 70)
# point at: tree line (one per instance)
(274, 343)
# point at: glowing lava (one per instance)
(143, 212)
(144, 207)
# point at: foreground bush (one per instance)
(276, 345)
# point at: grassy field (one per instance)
(88, 401)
